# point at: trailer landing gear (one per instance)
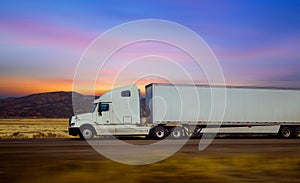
(297, 132)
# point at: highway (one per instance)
(65, 148)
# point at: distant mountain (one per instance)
(45, 105)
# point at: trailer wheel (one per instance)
(177, 133)
(87, 132)
(297, 132)
(159, 132)
(286, 132)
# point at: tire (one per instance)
(197, 131)
(159, 132)
(188, 131)
(192, 131)
(286, 132)
(177, 133)
(297, 132)
(87, 132)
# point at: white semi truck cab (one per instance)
(116, 112)
(248, 110)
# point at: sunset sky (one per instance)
(257, 42)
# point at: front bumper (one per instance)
(74, 131)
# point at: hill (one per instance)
(44, 105)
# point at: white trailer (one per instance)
(185, 110)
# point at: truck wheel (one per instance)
(197, 131)
(177, 133)
(159, 132)
(188, 131)
(297, 132)
(286, 132)
(86, 132)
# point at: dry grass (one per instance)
(33, 128)
(180, 168)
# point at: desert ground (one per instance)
(34, 128)
(40, 150)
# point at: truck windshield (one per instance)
(94, 107)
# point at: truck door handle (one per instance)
(107, 121)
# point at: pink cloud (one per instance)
(42, 34)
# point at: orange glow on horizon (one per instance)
(14, 86)
(24, 86)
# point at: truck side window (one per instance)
(125, 93)
(104, 107)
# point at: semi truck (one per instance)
(178, 111)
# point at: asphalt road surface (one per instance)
(11, 149)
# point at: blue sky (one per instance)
(257, 42)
